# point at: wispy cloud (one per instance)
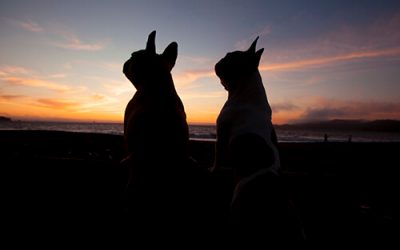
(7, 97)
(245, 43)
(98, 97)
(70, 40)
(284, 106)
(58, 76)
(284, 111)
(378, 39)
(57, 103)
(323, 61)
(101, 103)
(73, 42)
(96, 102)
(115, 67)
(28, 25)
(21, 76)
(190, 76)
(6, 70)
(67, 39)
(319, 108)
(38, 83)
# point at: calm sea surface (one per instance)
(208, 132)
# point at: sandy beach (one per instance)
(340, 190)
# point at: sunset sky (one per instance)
(62, 60)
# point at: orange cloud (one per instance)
(57, 103)
(10, 97)
(284, 106)
(190, 76)
(204, 95)
(12, 70)
(37, 83)
(311, 109)
(98, 97)
(283, 118)
(96, 107)
(323, 109)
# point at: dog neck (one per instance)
(158, 85)
(249, 89)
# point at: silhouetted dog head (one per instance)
(146, 68)
(236, 66)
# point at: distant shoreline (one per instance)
(298, 134)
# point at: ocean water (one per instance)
(208, 132)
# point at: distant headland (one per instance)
(375, 125)
(5, 119)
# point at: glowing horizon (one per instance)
(328, 60)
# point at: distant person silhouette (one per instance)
(163, 185)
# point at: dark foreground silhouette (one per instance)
(71, 182)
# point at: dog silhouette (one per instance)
(164, 186)
(246, 116)
(247, 144)
(155, 127)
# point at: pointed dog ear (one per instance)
(252, 48)
(170, 54)
(151, 42)
(258, 56)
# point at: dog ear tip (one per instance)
(152, 35)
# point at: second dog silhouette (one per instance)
(246, 114)
(163, 185)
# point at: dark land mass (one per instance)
(59, 179)
(5, 119)
(358, 125)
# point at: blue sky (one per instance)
(62, 60)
